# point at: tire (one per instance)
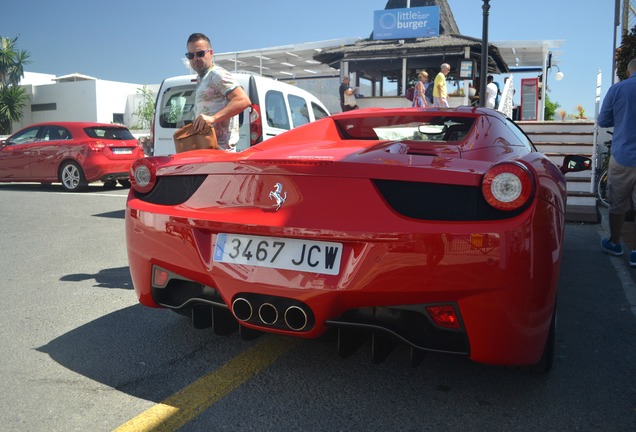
(547, 358)
(72, 177)
(601, 189)
(125, 183)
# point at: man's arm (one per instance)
(238, 100)
(606, 116)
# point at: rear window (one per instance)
(276, 110)
(299, 110)
(407, 128)
(319, 112)
(177, 108)
(112, 133)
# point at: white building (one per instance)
(79, 97)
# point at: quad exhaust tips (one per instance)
(242, 309)
(273, 312)
(296, 318)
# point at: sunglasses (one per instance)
(199, 54)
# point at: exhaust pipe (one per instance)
(274, 312)
(268, 313)
(295, 318)
(242, 309)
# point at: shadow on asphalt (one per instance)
(56, 187)
(105, 278)
(127, 346)
(116, 214)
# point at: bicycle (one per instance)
(601, 174)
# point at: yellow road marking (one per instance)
(177, 410)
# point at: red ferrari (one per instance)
(438, 228)
(71, 153)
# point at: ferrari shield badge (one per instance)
(278, 195)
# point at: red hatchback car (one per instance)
(438, 228)
(72, 153)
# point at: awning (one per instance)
(284, 62)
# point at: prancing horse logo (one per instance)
(276, 194)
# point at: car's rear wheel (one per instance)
(547, 359)
(125, 183)
(72, 176)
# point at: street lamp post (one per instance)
(484, 55)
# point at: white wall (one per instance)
(133, 102)
(36, 78)
(81, 100)
(112, 97)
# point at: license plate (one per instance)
(280, 253)
(122, 151)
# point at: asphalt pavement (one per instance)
(625, 273)
(79, 352)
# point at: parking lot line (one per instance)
(177, 410)
(91, 194)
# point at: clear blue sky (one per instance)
(143, 41)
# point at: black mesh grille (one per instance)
(443, 202)
(172, 190)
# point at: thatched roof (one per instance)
(437, 50)
(422, 53)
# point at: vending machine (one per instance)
(529, 98)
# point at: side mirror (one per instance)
(576, 163)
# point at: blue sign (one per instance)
(406, 23)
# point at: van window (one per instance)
(275, 110)
(299, 110)
(178, 107)
(319, 112)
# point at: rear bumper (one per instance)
(99, 167)
(115, 176)
(500, 280)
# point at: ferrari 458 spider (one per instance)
(438, 228)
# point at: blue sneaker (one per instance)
(632, 258)
(613, 249)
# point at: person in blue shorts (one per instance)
(619, 111)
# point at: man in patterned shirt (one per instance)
(219, 98)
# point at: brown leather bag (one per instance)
(186, 139)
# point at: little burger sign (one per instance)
(406, 23)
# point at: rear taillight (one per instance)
(96, 146)
(143, 174)
(507, 186)
(256, 125)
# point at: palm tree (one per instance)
(12, 97)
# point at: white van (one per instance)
(276, 107)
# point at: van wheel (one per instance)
(72, 176)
